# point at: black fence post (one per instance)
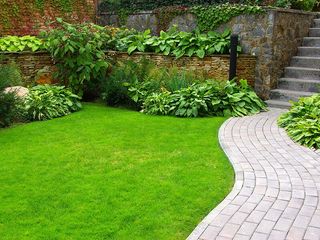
(233, 56)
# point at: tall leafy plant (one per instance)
(9, 101)
(78, 50)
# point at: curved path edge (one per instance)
(277, 184)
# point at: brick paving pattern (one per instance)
(277, 187)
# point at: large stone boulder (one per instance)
(18, 90)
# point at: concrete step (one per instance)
(287, 95)
(314, 32)
(311, 41)
(316, 23)
(309, 51)
(308, 62)
(295, 84)
(278, 104)
(302, 73)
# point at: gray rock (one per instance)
(18, 90)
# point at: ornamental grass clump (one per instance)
(302, 122)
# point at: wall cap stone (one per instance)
(125, 53)
(295, 11)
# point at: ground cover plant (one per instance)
(302, 122)
(108, 173)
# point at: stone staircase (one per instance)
(302, 77)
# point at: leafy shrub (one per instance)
(9, 110)
(10, 75)
(306, 5)
(123, 78)
(46, 102)
(158, 104)
(19, 44)
(78, 50)
(9, 102)
(177, 43)
(173, 78)
(302, 122)
(206, 99)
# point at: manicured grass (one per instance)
(106, 173)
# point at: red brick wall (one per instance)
(24, 17)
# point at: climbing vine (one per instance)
(211, 16)
(34, 14)
(166, 14)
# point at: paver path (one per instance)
(277, 188)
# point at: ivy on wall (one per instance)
(134, 5)
(210, 17)
(22, 17)
(166, 14)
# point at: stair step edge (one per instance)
(302, 93)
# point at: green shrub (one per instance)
(10, 110)
(19, 44)
(46, 102)
(158, 104)
(177, 43)
(125, 76)
(206, 99)
(10, 75)
(78, 50)
(174, 79)
(302, 122)
(306, 5)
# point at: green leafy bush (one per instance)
(46, 102)
(212, 98)
(78, 50)
(19, 44)
(125, 76)
(158, 104)
(302, 122)
(306, 5)
(9, 110)
(9, 102)
(177, 43)
(10, 75)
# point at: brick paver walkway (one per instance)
(277, 188)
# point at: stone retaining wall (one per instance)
(273, 37)
(216, 67)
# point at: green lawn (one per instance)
(105, 173)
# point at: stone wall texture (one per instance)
(273, 37)
(216, 67)
(22, 17)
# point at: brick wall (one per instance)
(217, 67)
(24, 17)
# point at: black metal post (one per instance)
(233, 56)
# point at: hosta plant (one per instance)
(212, 98)
(46, 102)
(302, 122)
(19, 44)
